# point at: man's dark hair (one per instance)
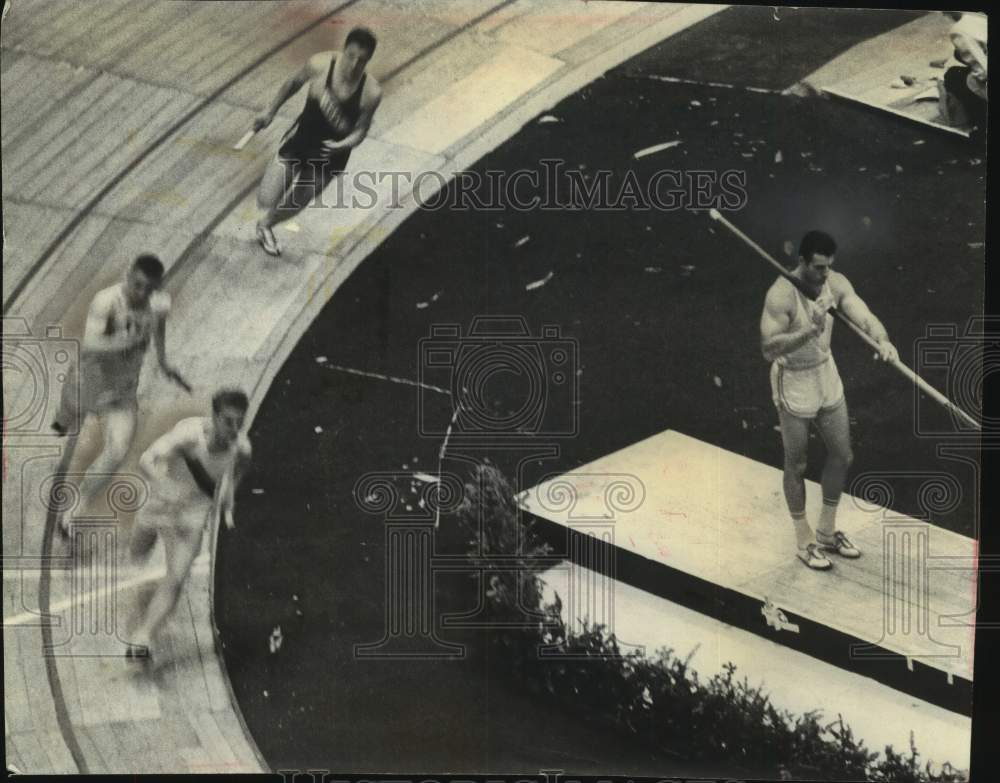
(230, 398)
(363, 37)
(816, 242)
(150, 266)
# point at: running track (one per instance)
(118, 143)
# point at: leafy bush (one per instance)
(659, 699)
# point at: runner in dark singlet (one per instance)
(339, 108)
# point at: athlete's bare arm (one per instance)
(102, 334)
(227, 487)
(776, 335)
(172, 445)
(370, 99)
(854, 307)
(313, 67)
(160, 339)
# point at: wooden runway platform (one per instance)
(708, 529)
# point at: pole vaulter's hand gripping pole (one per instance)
(920, 382)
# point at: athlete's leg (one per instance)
(141, 542)
(119, 428)
(69, 416)
(312, 179)
(795, 440)
(182, 545)
(835, 427)
(279, 178)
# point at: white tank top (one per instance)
(176, 484)
(120, 370)
(817, 349)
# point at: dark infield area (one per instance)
(659, 310)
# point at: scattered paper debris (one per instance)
(317, 429)
(899, 169)
(409, 507)
(539, 283)
(545, 119)
(696, 103)
(975, 245)
(789, 247)
(656, 148)
(744, 423)
(523, 240)
(866, 221)
(717, 381)
(266, 694)
(320, 360)
(256, 491)
(778, 157)
(426, 478)
(918, 142)
(687, 268)
(275, 640)
(295, 597)
(422, 503)
(654, 269)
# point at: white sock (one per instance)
(828, 518)
(803, 533)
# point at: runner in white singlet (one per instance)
(121, 322)
(193, 472)
(805, 385)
